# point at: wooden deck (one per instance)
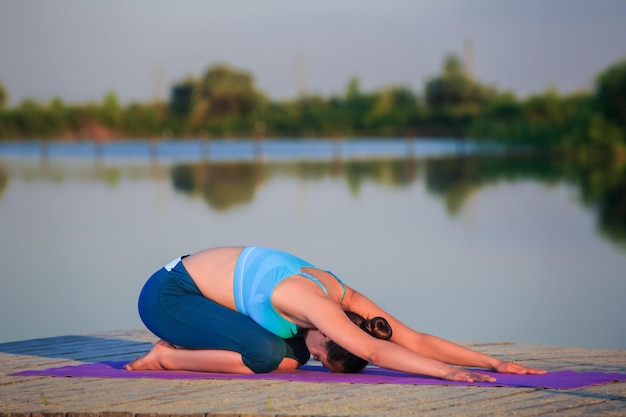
(92, 397)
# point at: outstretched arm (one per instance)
(431, 346)
(331, 320)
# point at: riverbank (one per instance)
(93, 397)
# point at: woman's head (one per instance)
(339, 359)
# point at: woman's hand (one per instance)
(462, 375)
(515, 368)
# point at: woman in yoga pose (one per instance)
(253, 310)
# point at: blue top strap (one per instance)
(312, 278)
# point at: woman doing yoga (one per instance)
(253, 310)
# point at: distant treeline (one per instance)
(224, 102)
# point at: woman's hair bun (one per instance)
(377, 327)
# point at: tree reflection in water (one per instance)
(601, 183)
(222, 186)
(4, 180)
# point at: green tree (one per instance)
(4, 96)
(224, 92)
(611, 92)
(353, 90)
(6, 117)
(144, 119)
(181, 98)
(355, 106)
(394, 111)
(111, 113)
(30, 119)
(454, 89)
(57, 116)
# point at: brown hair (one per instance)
(346, 362)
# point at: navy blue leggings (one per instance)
(173, 308)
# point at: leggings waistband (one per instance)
(174, 262)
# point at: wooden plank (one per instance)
(95, 397)
(81, 348)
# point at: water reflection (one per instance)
(4, 180)
(601, 186)
(223, 186)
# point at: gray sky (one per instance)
(80, 49)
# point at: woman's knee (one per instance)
(265, 355)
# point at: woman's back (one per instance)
(212, 270)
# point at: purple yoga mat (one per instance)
(308, 373)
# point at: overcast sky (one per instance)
(81, 49)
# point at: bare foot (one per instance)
(151, 360)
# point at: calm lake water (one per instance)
(470, 247)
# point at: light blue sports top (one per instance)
(257, 272)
